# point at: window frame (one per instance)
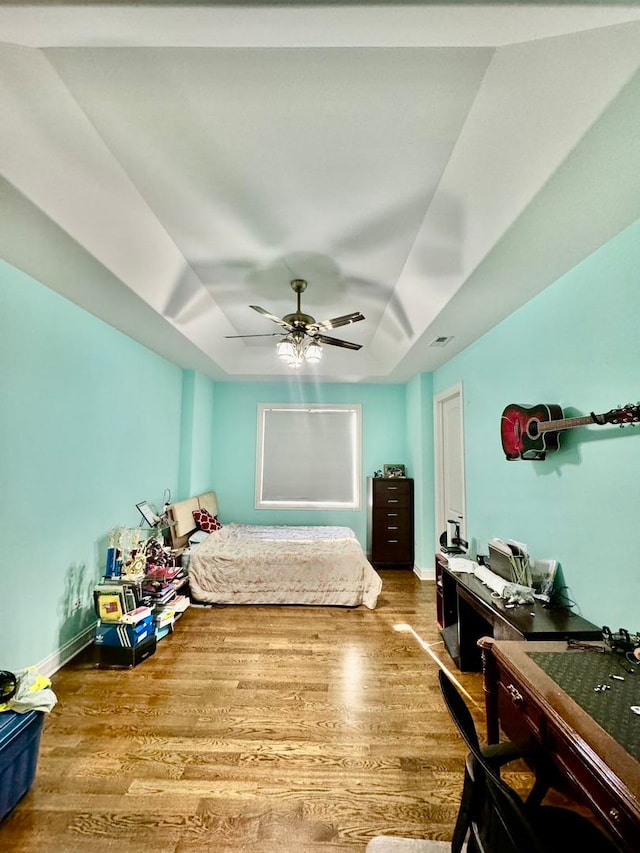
(355, 434)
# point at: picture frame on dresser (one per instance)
(394, 471)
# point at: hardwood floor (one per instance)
(263, 729)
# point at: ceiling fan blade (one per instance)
(336, 342)
(345, 320)
(265, 335)
(271, 316)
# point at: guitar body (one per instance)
(521, 438)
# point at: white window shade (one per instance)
(308, 456)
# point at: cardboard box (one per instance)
(118, 657)
(19, 747)
(122, 634)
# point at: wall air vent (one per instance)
(441, 341)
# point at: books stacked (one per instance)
(110, 602)
(137, 615)
(164, 573)
(166, 615)
(180, 603)
(160, 591)
(114, 598)
(134, 614)
(164, 621)
(127, 640)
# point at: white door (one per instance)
(449, 461)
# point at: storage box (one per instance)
(121, 657)
(121, 634)
(19, 746)
(164, 631)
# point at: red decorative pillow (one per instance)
(206, 521)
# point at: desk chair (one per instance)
(495, 818)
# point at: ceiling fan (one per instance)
(302, 334)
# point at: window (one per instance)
(308, 456)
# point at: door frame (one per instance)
(438, 430)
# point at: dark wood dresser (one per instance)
(390, 523)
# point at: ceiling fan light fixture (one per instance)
(285, 348)
(295, 351)
(303, 339)
(313, 352)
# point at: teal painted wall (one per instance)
(577, 345)
(81, 442)
(421, 462)
(384, 440)
(197, 443)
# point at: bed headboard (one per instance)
(182, 513)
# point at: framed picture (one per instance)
(394, 471)
(147, 513)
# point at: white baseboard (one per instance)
(63, 655)
(428, 574)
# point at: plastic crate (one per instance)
(19, 747)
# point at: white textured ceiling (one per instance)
(430, 166)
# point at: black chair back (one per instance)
(459, 712)
(494, 817)
(497, 820)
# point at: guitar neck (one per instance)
(567, 423)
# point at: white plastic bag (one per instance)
(515, 593)
(33, 693)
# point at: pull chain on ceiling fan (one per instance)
(303, 337)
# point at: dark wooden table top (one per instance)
(533, 621)
(606, 758)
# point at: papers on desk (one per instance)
(492, 580)
(512, 593)
(462, 564)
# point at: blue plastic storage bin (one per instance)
(19, 746)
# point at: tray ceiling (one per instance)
(433, 167)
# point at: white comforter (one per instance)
(246, 564)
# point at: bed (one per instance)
(253, 564)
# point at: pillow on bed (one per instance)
(206, 521)
(197, 537)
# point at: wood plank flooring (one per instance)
(263, 729)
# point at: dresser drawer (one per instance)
(520, 715)
(380, 537)
(400, 551)
(393, 499)
(382, 485)
(390, 524)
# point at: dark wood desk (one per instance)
(522, 700)
(466, 611)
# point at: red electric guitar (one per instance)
(528, 433)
